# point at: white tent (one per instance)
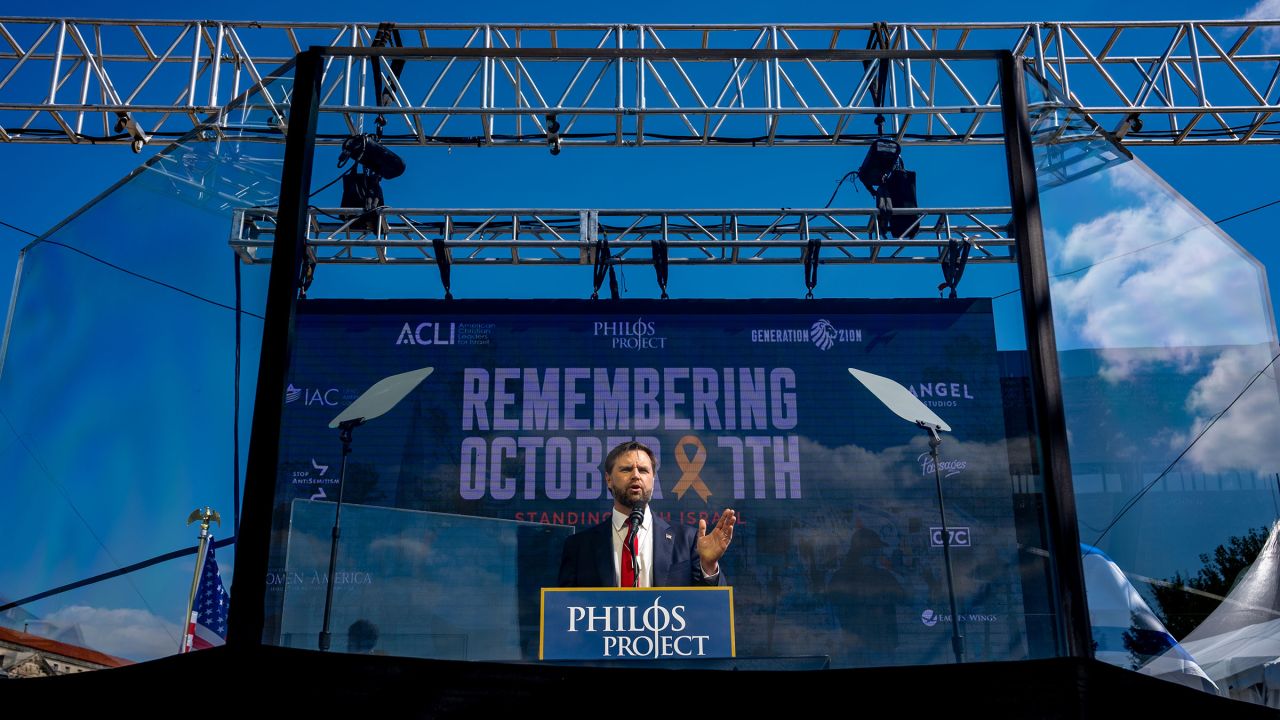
(1238, 645)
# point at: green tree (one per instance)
(1182, 611)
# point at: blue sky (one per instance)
(44, 184)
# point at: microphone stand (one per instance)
(636, 520)
(344, 435)
(957, 638)
(373, 403)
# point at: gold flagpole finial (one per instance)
(204, 515)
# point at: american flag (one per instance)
(209, 614)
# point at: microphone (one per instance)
(636, 519)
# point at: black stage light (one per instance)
(362, 187)
(883, 156)
(900, 190)
(361, 190)
(553, 134)
(893, 186)
(367, 151)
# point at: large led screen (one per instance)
(748, 404)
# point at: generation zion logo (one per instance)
(823, 334)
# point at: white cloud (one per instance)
(402, 549)
(1156, 277)
(123, 632)
(1266, 10)
(1245, 437)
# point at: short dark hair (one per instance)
(627, 447)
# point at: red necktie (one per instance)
(627, 565)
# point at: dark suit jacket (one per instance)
(587, 560)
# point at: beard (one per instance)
(624, 497)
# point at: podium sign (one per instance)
(636, 623)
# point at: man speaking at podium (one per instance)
(637, 548)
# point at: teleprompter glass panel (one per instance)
(120, 387)
(1167, 345)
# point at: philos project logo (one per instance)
(637, 334)
(822, 333)
(656, 631)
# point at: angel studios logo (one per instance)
(632, 631)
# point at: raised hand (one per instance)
(712, 545)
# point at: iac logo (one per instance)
(312, 396)
(428, 333)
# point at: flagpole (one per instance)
(204, 516)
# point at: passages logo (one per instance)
(949, 468)
(638, 334)
(822, 333)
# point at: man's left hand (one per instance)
(712, 545)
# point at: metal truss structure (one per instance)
(127, 81)
(691, 237)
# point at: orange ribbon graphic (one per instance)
(690, 467)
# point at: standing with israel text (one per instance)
(636, 548)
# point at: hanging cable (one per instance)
(235, 410)
(878, 40)
(219, 544)
(810, 260)
(603, 267)
(660, 264)
(387, 34)
(953, 259)
(443, 264)
(308, 274)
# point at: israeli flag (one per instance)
(1126, 633)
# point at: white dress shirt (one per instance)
(644, 546)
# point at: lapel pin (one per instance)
(667, 535)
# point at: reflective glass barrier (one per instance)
(1167, 346)
(397, 589)
(121, 367)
